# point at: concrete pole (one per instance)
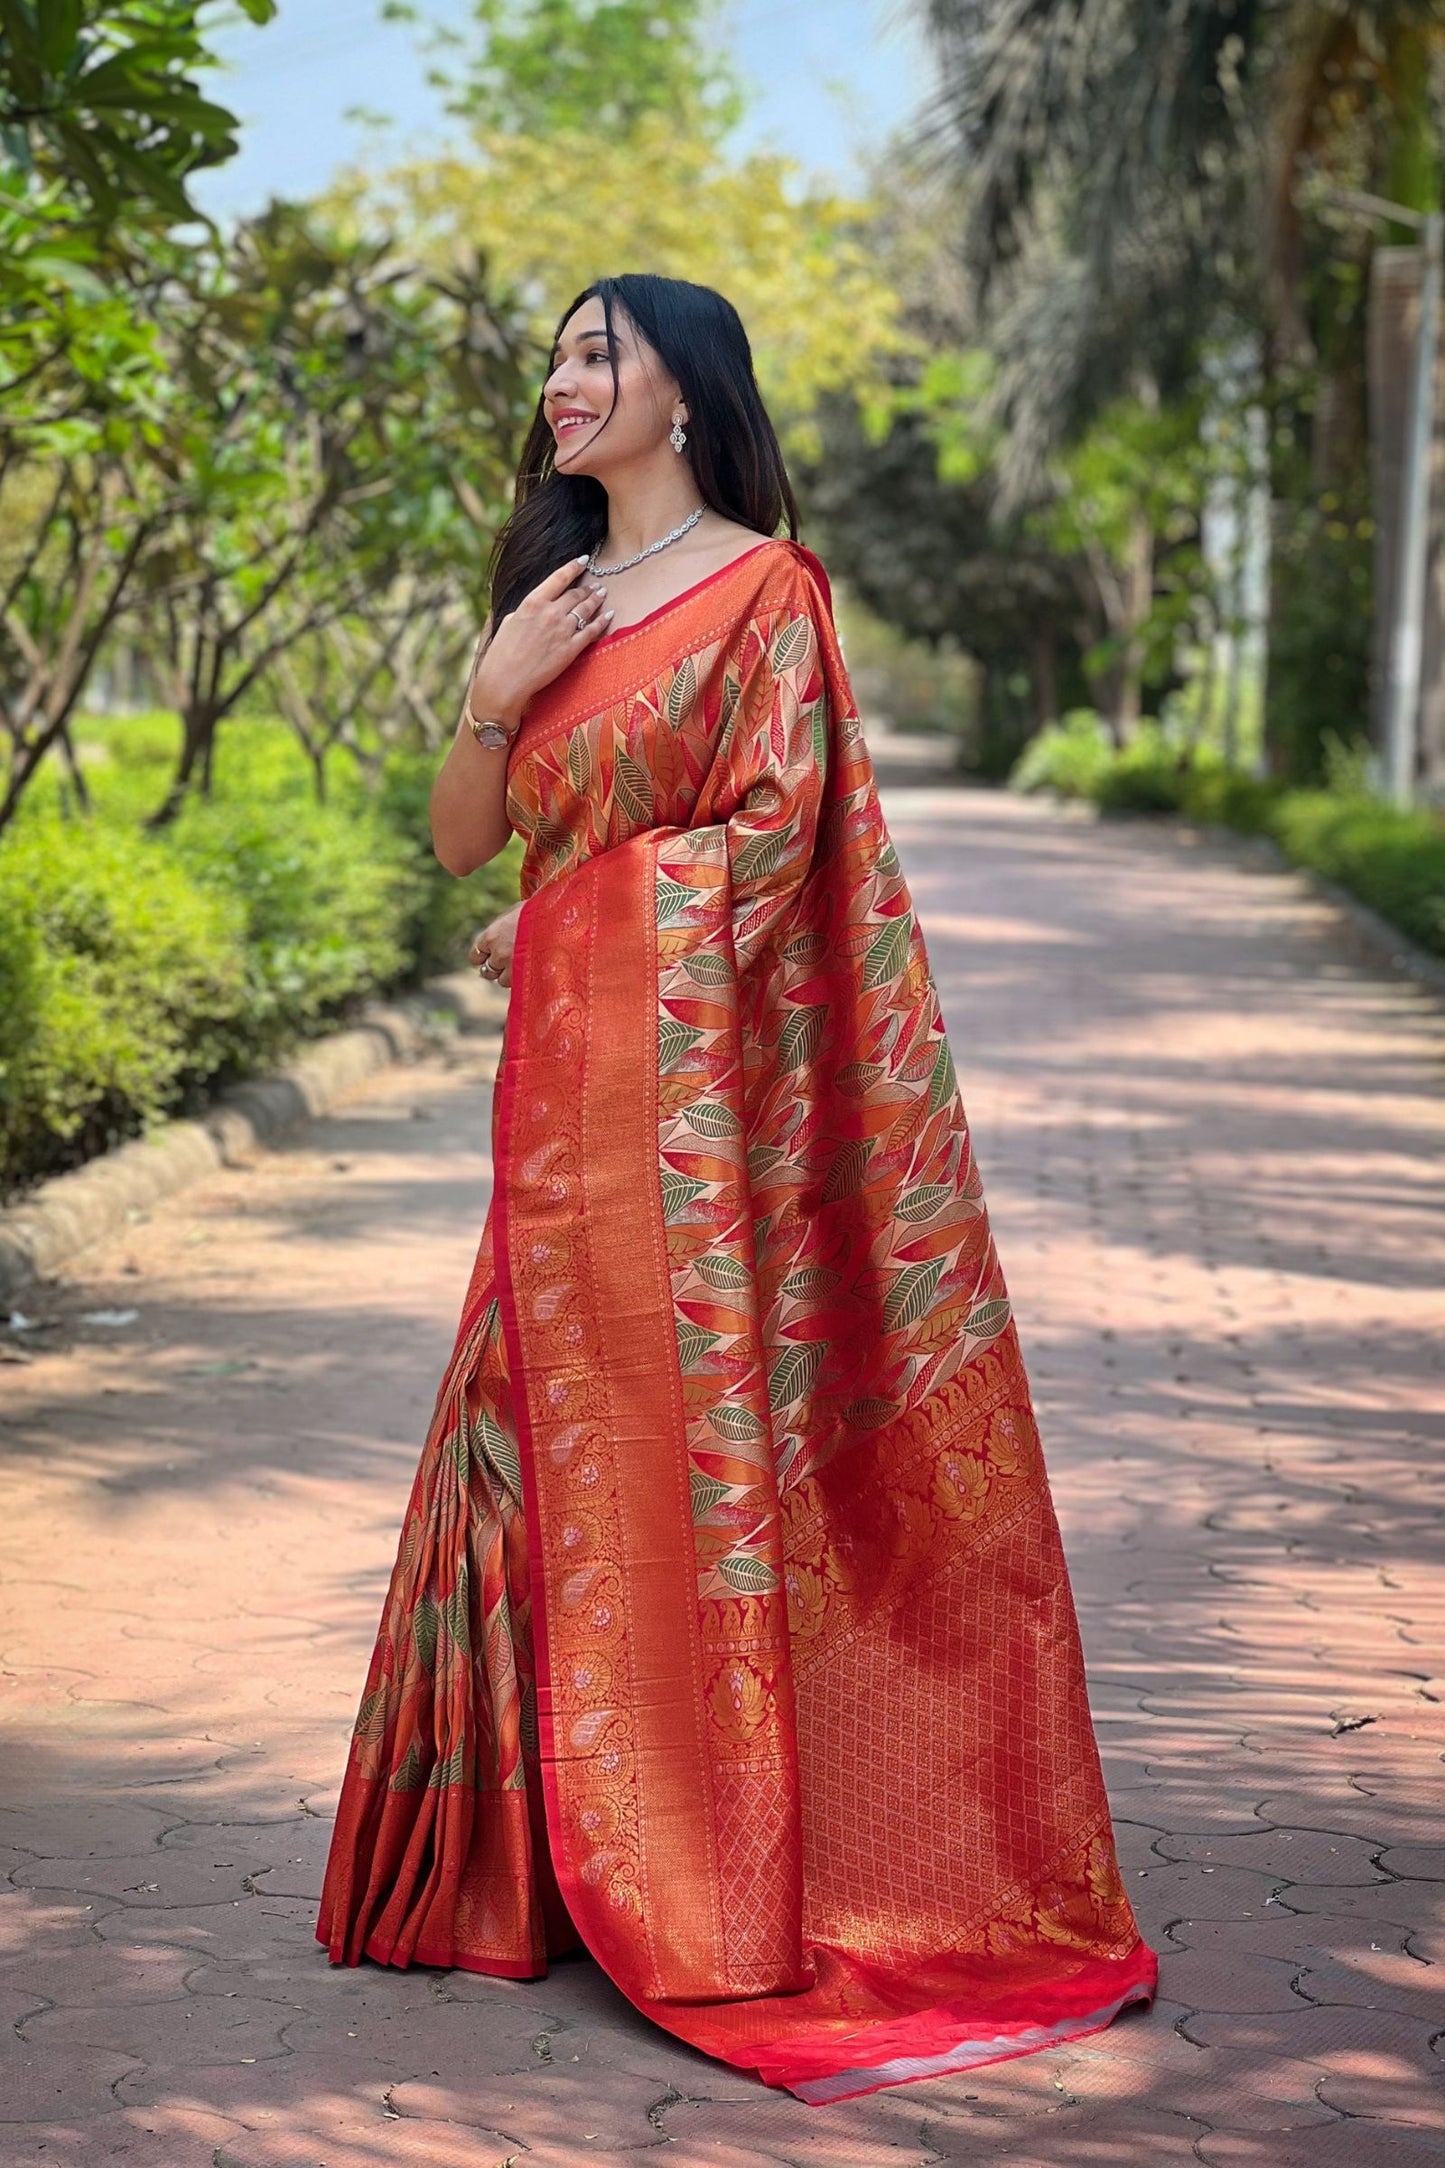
(1402, 714)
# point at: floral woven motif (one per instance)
(769, 1687)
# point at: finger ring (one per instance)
(487, 968)
(579, 620)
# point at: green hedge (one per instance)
(1393, 861)
(137, 969)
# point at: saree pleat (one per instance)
(730, 1630)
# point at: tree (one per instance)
(1216, 131)
(347, 431)
(543, 68)
(98, 102)
(597, 143)
(912, 525)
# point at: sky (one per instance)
(825, 79)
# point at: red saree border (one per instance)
(653, 1869)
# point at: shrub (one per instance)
(1229, 798)
(447, 912)
(1072, 756)
(123, 982)
(134, 968)
(327, 895)
(1148, 776)
(1393, 861)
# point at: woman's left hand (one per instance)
(491, 952)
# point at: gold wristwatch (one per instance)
(494, 736)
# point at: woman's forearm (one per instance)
(469, 804)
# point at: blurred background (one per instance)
(1103, 335)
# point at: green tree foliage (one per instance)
(597, 144)
(99, 101)
(544, 68)
(1143, 185)
(918, 538)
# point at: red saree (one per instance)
(730, 1630)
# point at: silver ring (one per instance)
(579, 620)
(487, 968)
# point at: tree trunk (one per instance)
(1044, 676)
(198, 729)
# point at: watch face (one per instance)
(492, 736)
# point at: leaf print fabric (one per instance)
(785, 1691)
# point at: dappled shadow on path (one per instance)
(1209, 1144)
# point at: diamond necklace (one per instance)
(606, 571)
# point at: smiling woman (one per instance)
(730, 1635)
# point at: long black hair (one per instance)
(731, 444)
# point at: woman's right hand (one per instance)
(534, 643)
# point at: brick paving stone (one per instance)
(1211, 1142)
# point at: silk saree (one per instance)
(730, 1635)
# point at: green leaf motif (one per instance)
(708, 969)
(845, 1176)
(728, 1274)
(706, 1493)
(458, 1447)
(425, 1622)
(712, 1118)
(818, 729)
(407, 1776)
(501, 1452)
(989, 1319)
(748, 1576)
(793, 1374)
(802, 1035)
(944, 1084)
(809, 1280)
(732, 692)
(693, 1343)
(792, 644)
(579, 761)
(922, 1203)
(738, 1425)
(672, 899)
(888, 952)
(682, 692)
(763, 1158)
(673, 1041)
(454, 1619)
(451, 1771)
(371, 1716)
(632, 788)
(910, 1294)
(761, 856)
(531, 1736)
(678, 1192)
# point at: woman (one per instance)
(730, 1635)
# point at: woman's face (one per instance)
(577, 398)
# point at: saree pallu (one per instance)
(730, 1633)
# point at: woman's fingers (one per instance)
(586, 615)
(558, 582)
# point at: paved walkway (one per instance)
(1212, 1145)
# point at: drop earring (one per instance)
(677, 435)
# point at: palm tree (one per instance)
(1141, 168)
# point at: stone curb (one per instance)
(74, 1210)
